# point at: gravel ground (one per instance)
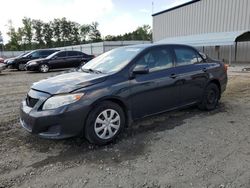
(185, 148)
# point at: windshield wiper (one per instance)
(91, 70)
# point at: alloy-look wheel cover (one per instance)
(44, 68)
(107, 124)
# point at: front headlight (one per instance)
(10, 61)
(32, 63)
(61, 100)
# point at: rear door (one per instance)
(156, 91)
(191, 74)
(73, 59)
(59, 61)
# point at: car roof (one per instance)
(155, 45)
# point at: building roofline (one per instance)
(176, 7)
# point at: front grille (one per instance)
(31, 102)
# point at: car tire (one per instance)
(21, 67)
(210, 98)
(43, 68)
(101, 130)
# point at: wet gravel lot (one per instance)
(185, 148)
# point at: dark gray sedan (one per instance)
(105, 95)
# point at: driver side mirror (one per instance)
(141, 69)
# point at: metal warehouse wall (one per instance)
(206, 16)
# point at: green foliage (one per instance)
(38, 27)
(47, 33)
(141, 33)
(61, 32)
(27, 31)
(15, 37)
(94, 33)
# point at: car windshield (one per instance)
(27, 54)
(112, 61)
(23, 54)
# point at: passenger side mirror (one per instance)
(141, 69)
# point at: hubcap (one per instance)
(44, 68)
(21, 66)
(107, 124)
(211, 97)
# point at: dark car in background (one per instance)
(103, 96)
(20, 61)
(57, 60)
(9, 60)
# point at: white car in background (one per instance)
(2, 65)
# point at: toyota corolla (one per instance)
(104, 96)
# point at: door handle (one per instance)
(173, 76)
(204, 69)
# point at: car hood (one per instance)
(68, 82)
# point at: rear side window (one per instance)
(72, 53)
(62, 54)
(185, 56)
(157, 59)
(47, 53)
(81, 54)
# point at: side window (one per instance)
(81, 54)
(157, 59)
(46, 53)
(62, 54)
(35, 54)
(185, 56)
(72, 53)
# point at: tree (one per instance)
(27, 31)
(75, 38)
(1, 37)
(38, 27)
(66, 31)
(84, 32)
(1, 41)
(47, 33)
(15, 37)
(143, 33)
(56, 25)
(94, 33)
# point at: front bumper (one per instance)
(64, 122)
(2, 67)
(32, 67)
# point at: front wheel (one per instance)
(21, 67)
(104, 123)
(210, 98)
(43, 68)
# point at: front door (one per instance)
(155, 91)
(60, 61)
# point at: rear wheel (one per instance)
(104, 123)
(210, 98)
(43, 68)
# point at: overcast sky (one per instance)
(114, 16)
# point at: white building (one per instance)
(206, 19)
